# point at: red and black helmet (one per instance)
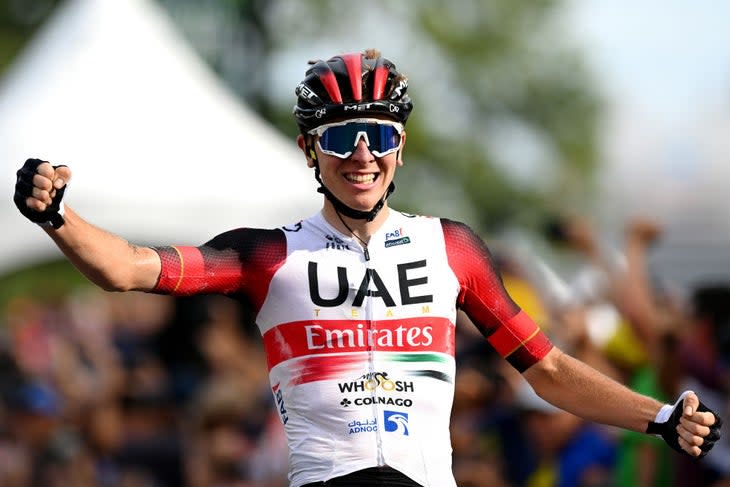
(355, 84)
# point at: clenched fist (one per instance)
(39, 192)
(688, 426)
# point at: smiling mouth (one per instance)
(361, 178)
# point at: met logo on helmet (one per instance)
(305, 91)
(360, 107)
(399, 90)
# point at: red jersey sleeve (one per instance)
(513, 334)
(240, 262)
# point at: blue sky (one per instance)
(669, 58)
(665, 67)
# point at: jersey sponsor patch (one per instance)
(395, 422)
(362, 426)
(396, 237)
(303, 338)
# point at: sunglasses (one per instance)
(339, 139)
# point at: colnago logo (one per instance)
(396, 237)
(395, 422)
(335, 242)
(376, 380)
(358, 337)
(370, 400)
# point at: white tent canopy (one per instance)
(161, 151)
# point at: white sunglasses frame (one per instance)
(318, 131)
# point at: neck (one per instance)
(361, 229)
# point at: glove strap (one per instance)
(55, 220)
(664, 414)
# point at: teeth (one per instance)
(360, 178)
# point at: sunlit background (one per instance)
(175, 116)
(523, 109)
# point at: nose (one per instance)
(362, 152)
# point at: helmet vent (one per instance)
(329, 81)
(353, 64)
(380, 78)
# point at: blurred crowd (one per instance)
(135, 390)
(139, 390)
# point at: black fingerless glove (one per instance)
(667, 428)
(53, 214)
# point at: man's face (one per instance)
(361, 179)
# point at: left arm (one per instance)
(579, 389)
(556, 377)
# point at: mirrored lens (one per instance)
(340, 140)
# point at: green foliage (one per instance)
(18, 20)
(480, 71)
(505, 109)
(45, 282)
(510, 64)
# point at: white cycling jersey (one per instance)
(361, 350)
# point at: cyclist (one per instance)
(357, 304)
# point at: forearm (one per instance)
(579, 389)
(106, 259)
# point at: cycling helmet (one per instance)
(355, 84)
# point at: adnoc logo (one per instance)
(364, 426)
(396, 422)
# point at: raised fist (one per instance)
(39, 192)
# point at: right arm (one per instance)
(107, 260)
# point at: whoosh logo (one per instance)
(376, 380)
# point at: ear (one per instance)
(399, 161)
(307, 149)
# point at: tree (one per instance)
(509, 130)
(505, 118)
(517, 80)
(18, 21)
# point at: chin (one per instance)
(371, 199)
(363, 201)
(363, 207)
